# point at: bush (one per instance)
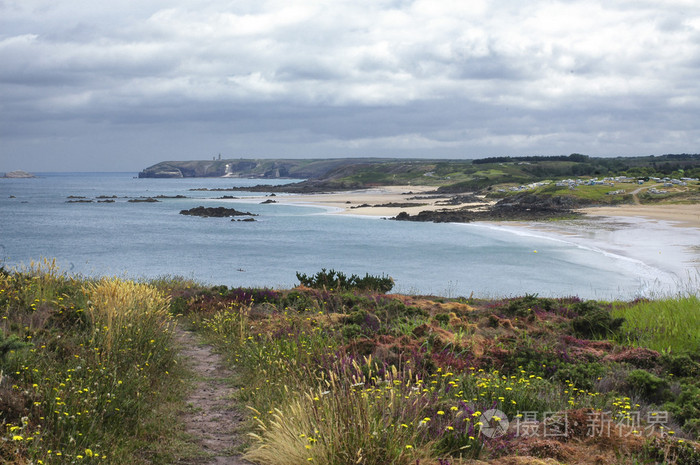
(442, 318)
(664, 450)
(686, 407)
(523, 306)
(680, 365)
(338, 280)
(391, 311)
(9, 344)
(648, 385)
(582, 375)
(298, 301)
(594, 321)
(360, 322)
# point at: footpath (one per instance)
(210, 418)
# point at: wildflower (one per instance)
(408, 446)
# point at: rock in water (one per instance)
(214, 212)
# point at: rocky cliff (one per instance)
(249, 168)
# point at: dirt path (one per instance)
(211, 417)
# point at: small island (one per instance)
(215, 212)
(18, 174)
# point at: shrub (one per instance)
(338, 280)
(638, 357)
(668, 451)
(299, 301)
(648, 385)
(680, 365)
(392, 311)
(442, 318)
(366, 323)
(9, 344)
(595, 322)
(582, 375)
(351, 331)
(686, 407)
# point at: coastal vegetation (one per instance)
(447, 175)
(88, 373)
(338, 371)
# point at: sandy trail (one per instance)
(211, 417)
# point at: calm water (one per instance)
(146, 240)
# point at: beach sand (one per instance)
(373, 202)
(679, 215)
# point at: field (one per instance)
(340, 371)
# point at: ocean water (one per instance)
(149, 240)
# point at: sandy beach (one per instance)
(678, 215)
(665, 237)
(377, 202)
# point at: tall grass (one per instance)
(665, 325)
(126, 314)
(98, 363)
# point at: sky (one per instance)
(124, 84)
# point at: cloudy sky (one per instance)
(123, 84)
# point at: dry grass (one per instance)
(118, 307)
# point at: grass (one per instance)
(665, 325)
(98, 377)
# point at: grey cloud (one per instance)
(363, 78)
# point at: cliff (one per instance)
(249, 168)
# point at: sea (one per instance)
(40, 218)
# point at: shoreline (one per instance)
(375, 202)
(663, 237)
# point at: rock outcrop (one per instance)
(215, 212)
(524, 207)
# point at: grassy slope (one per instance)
(90, 373)
(412, 375)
